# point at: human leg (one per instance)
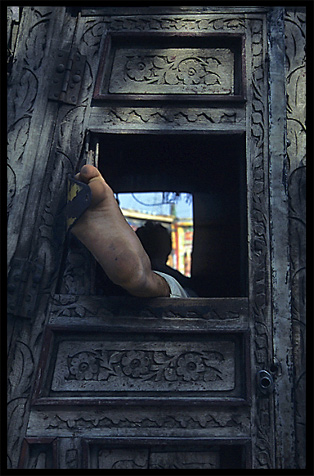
(105, 232)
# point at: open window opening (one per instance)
(206, 170)
(173, 211)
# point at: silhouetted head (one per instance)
(156, 240)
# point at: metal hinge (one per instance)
(67, 77)
(23, 284)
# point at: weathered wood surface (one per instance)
(45, 139)
(31, 121)
(295, 28)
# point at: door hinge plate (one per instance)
(67, 77)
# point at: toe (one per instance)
(89, 172)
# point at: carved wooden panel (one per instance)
(183, 71)
(146, 366)
(171, 67)
(96, 358)
(165, 454)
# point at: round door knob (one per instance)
(265, 381)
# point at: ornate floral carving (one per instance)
(85, 366)
(145, 365)
(136, 364)
(182, 70)
(158, 366)
(176, 23)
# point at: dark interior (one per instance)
(212, 168)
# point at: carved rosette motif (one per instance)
(295, 22)
(130, 366)
(143, 364)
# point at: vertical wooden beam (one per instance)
(31, 123)
(259, 239)
(282, 364)
(295, 64)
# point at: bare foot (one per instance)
(105, 232)
(99, 187)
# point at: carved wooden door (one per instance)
(127, 383)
